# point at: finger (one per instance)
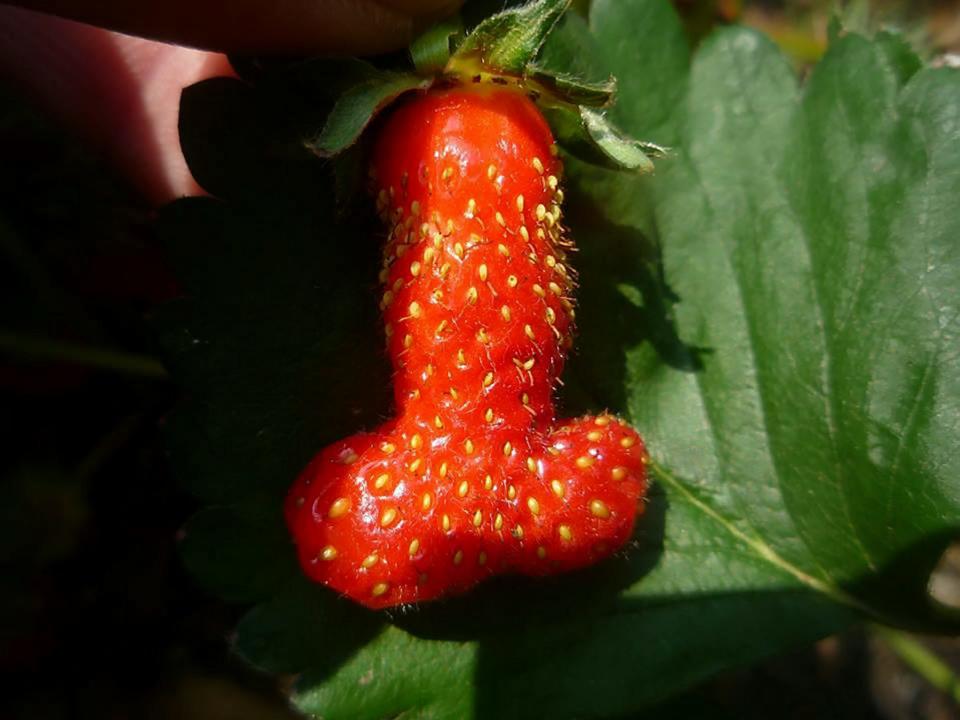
(120, 94)
(295, 27)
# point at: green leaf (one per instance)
(508, 41)
(358, 105)
(775, 309)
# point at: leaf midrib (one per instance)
(763, 551)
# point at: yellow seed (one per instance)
(338, 508)
(533, 505)
(349, 457)
(550, 260)
(381, 481)
(498, 522)
(528, 365)
(380, 589)
(491, 171)
(528, 331)
(415, 465)
(512, 281)
(525, 399)
(551, 315)
(415, 208)
(414, 268)
(458, 557)
(507, 448)
(458, 250)
(503, 250)
(482, 558)
(471, 207)
(369, 561)
(444, 269)
(482, 272)
(602, 421)
(512, 492)
(518, 532)
(541, 552)
(462, 488)
(461, 357)
(440, 328)
(555, 289)
(398, 284)
(541, 212)
(488, 483)
(416, 442)
(500, 221)
(520, 203)
(388, 448)
(627, 442)
(437, 422)
(407, 340)
(447, 173)
(388, 516)
(538, 165)
(618, 473)
(414, 547)
(538, 290)
(328, 553)
(505, 312)
(482, 336)
(552, 182)
(426, 501)
(524, 233)
(594, 435)
(565, 533)
(445, 523)
(468, 446)
(472, 295)
(488, 415)
(427, 257)
(477, 519)
(557, 488)
(453, 393)
(488, 379)
(584, 461)
(443, 469)
(531, 465)
(599, 509)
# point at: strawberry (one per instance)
(474, 476)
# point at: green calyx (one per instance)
(503, 50)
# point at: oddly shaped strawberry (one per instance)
(474, 476)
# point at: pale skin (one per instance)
(112, 72)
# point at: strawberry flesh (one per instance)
(475, 476)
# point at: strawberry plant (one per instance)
(774, 309)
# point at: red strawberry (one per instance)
(475, 476)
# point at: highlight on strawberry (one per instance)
(475, 475)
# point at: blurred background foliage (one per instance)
(99, 618)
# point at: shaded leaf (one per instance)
(775, 309)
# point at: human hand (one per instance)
(121, 93)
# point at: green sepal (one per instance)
(591, 137)
(357, 106)
(508, 41)
(430, 52)
(572, 90)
